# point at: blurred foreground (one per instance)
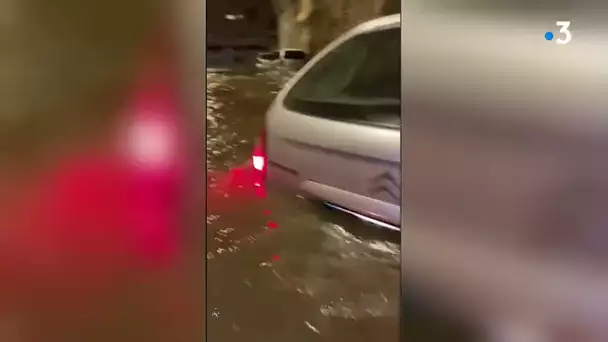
(504, 158)
(279, 268)
(92, 176)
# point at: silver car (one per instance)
(333, 132)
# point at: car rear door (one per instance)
(337, 126)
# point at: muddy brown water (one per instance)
(309, 275)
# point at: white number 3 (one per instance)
(564, 29)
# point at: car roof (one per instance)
(378, 24)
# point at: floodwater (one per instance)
(280, 268)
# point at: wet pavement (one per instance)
(280, 268)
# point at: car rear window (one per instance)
(294, 54)
(359, 82)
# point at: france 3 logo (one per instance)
(565, 36)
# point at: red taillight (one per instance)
(259, 159)
(259, 162)
(259, 152)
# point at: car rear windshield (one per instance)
(359, 82)
(295, 54)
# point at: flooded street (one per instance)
(280, 268)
